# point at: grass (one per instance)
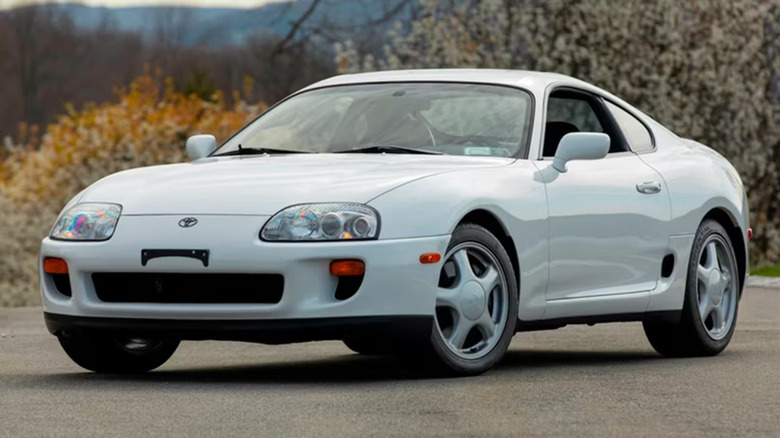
(766, 271)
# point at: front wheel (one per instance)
(369, 346)
(118, 356)
(476, 303)
(709, 312)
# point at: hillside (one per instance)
(223, 26)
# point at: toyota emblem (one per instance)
(188, 222)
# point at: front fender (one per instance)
(514, 195)
(434, 205)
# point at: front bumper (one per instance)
(282, 331)
(395, 283)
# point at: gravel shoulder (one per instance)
(765, 282)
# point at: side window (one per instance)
(577, 112)
(567, 113)
(637, 135)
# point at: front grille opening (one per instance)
(61, 283)
(347, 287)
(188, 288)
(667, 266)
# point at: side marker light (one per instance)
(430, 257)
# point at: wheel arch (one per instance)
(734, 231)
(492, 223)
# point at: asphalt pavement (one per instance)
(577, 381)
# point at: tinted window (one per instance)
(637, 135)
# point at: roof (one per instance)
(534, 81)
(518, 78)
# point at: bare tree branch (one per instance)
(280, 47)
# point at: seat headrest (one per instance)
(553, 133)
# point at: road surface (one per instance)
(577, 381)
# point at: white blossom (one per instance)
(706, 69)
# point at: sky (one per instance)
(5, 4)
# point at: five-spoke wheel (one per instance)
(471, 305)
(717, 290)
(476, 303)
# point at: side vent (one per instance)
(667, 266)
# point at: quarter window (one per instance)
(637, 135)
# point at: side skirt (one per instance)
(671, 316)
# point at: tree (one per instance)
(33, 35)
(707, 69)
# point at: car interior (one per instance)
(571, 111)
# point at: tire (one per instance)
(459, 301)
(115, 356)
(696, 335)
(370, 347)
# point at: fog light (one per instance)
(347, 268)
(52, 265)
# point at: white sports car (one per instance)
(433, 213)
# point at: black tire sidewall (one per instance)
(456, 364)
(106, 355)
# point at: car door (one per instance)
(607, 217)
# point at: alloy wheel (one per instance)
(716, 287)
(472, 301)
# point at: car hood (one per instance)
(263, 185)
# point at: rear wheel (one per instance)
(121, 356)
(476, 304)
(709, 312)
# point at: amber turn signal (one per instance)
(430, 257)
(53, 265)
(347, 268)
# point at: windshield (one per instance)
(449, 118)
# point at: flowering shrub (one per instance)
(148, 125)
(706, 69)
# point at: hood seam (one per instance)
(428, 176)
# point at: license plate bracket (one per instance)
(198, 254)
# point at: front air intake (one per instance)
(347, 287)
(61, 283)
(188, 288)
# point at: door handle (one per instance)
(649, 188)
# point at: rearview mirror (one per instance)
(580, 146)
(199, 146)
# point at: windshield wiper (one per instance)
(257, 151)
(382, 148)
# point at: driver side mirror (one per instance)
(199, 146)
(580, 146)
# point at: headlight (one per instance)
(336, 221)
(88, 221)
